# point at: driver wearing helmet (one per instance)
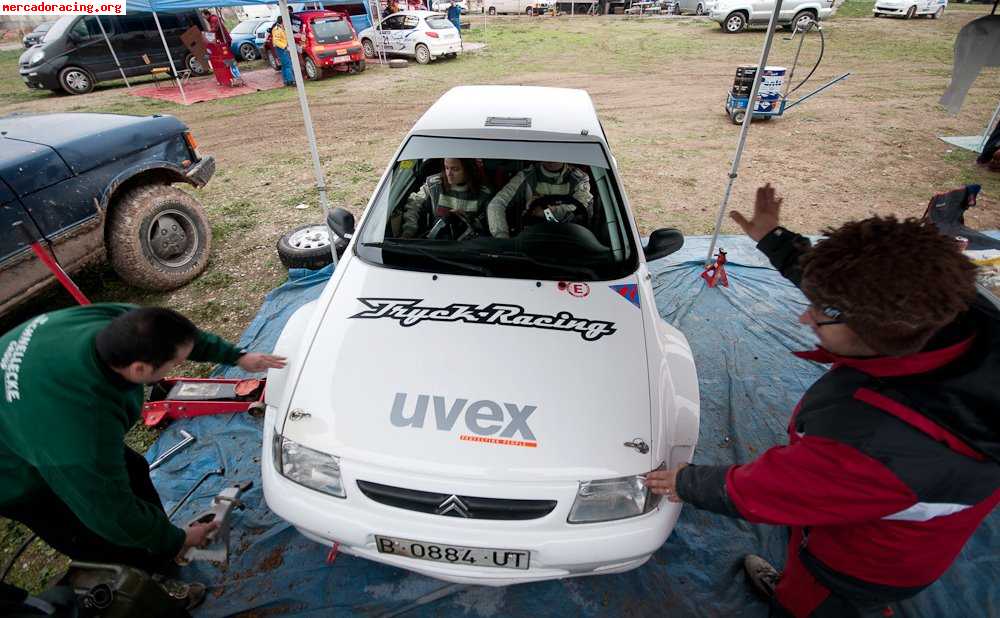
(540, 180)
(456, 189)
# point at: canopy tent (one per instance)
(169, 6)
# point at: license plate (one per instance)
(454, 554)
(341, 59)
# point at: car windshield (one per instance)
(59, 27)
(246, 27)
(439, 23)
(479, 207)
(332, 30)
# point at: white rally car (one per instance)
(479, 409)
(423, 35)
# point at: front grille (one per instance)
(475, 508)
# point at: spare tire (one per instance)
(306, 246)
(398, 63)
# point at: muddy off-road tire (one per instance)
(306, 246)
(158, 237)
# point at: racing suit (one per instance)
(420, 207)
(535, 182)
(891, 465)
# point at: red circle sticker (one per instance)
(578, 289)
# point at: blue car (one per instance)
(248, 38)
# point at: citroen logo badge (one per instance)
(454, 507)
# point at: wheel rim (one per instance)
(803, 21)
(194, 65)
(172, 238)
(911, 12)
(734, 23)
(422, 54)
(699, 10)
(248, 51)
(77, 80)
(493, 11)
(272, 60)
(312, 237)
(310, 69)
(369, 49)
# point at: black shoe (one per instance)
(187, 596)
(763, 576)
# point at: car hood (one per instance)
(87, 141)
(477, 377)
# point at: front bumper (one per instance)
(889, 10)
(558, 549)
(201, 172)
(42, 77)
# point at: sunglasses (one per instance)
(835, 315)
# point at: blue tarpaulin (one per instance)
(741, 336)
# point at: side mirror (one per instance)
(662, 243)
(341, 221)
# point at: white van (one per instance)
(525, 7)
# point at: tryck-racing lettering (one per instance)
(408, 312)
(483, 418)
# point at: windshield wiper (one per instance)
(413, 250)
(524, 257)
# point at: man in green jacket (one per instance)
(72, 387)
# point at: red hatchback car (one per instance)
(326, 41)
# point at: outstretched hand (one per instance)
(255, 362)
(766, 213)
(664, 483)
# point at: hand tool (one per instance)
(173, 450)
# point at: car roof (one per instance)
(555, 110)
(322, 13)
(418, 13)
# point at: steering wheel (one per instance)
(580, 213)
(451, 225)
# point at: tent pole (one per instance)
(113, 54)
(170, 56)
(989, 129)
(293, 51)
(745, 129)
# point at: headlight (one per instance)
(36, 57)
(307, 467)
(610, 499)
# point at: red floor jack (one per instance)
(186, 397)
(716, 272)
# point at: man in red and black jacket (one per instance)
(893, 457)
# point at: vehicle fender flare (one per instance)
(148, 172)
(292, 343)
(682, 396)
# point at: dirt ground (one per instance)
(868, 145)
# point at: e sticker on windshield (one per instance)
(406, 164)
(579, 290)
(628, 291)
(409, 312)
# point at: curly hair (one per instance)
(895, 283)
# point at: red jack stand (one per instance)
(716, 273)
(332, 556)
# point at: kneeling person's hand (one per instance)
(664, 483)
